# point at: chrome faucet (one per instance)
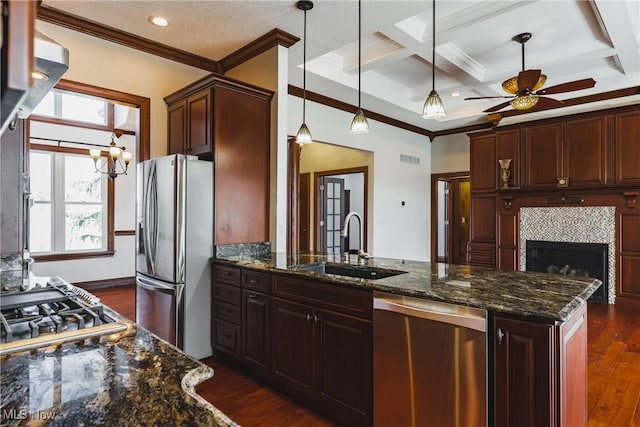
(362, 255)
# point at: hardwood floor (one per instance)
(613, 374)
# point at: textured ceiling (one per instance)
(474, 48)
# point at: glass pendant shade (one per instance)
(95, 153)
(433, 107)
(524, 102)
(359, 124)
(303, 136)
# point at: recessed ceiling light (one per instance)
(455, 94)
(159, 21)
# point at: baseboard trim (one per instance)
(628, 302)
(106, 283)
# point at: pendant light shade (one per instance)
(304, 135)
(359, 124)
(433, 106)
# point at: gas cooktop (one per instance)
(53, 312)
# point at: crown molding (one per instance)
(95, 29)
(275, 37)
(340, 105)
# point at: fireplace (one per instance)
(571, 259)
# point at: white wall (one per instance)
(450, 153)
(398, 231)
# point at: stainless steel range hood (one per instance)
(52, 61)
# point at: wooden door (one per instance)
(523, 373)
(293, 345)
(256, 333)
(345, 365)
(543, 155)
(304, 206)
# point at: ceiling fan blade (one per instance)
(527, 79)
(545, 102)
(487, 97)
(496, 107)
(568, 87)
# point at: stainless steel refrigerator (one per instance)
(174, 244)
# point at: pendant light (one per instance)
(359, 124)
(304, 136)
(433, 106)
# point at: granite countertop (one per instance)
(528, 294)
(129, 378)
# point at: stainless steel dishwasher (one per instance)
(430, 363)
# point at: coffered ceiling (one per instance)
(474, 47)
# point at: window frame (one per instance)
(110, 251)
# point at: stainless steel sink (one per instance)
(350, 270)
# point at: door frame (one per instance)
(435, 177)
(316, 182)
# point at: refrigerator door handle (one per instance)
(150, 219)
(155, 286)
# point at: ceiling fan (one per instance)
(526, 87)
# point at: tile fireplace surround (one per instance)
(583, 224)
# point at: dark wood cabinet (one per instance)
(483, 166)
(575, 151)
(540, 372)
(256, 322)
(323, 346)
(226, 311)
(627, 148)
(228, 121)
(543, 155)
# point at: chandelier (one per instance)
(116, 163)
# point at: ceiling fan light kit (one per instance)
(526, 87)
(304, 135)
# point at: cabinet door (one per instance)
(293, 345)
(585, 152)
(177, 122)
(628, 148)
(199, 118)
(226, 337)
(508, 147)
(484, 169)
(346, 366)
(256, 338)
(543, 155)
(523, 380)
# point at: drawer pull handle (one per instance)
(316, 319)
(252, 295)
(309, 318)
(253, 281)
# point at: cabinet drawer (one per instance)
(226, 293)
(224, 311)
(226, 337)
(260, 282)
(229, 275)
(324, 295)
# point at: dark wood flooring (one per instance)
(613, 373)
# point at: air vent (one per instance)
(405, 158)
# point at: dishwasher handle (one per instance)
(466, 317)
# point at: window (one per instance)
(70, 212)
(89, 111)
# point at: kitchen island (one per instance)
(127, 378)
(304, 323)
